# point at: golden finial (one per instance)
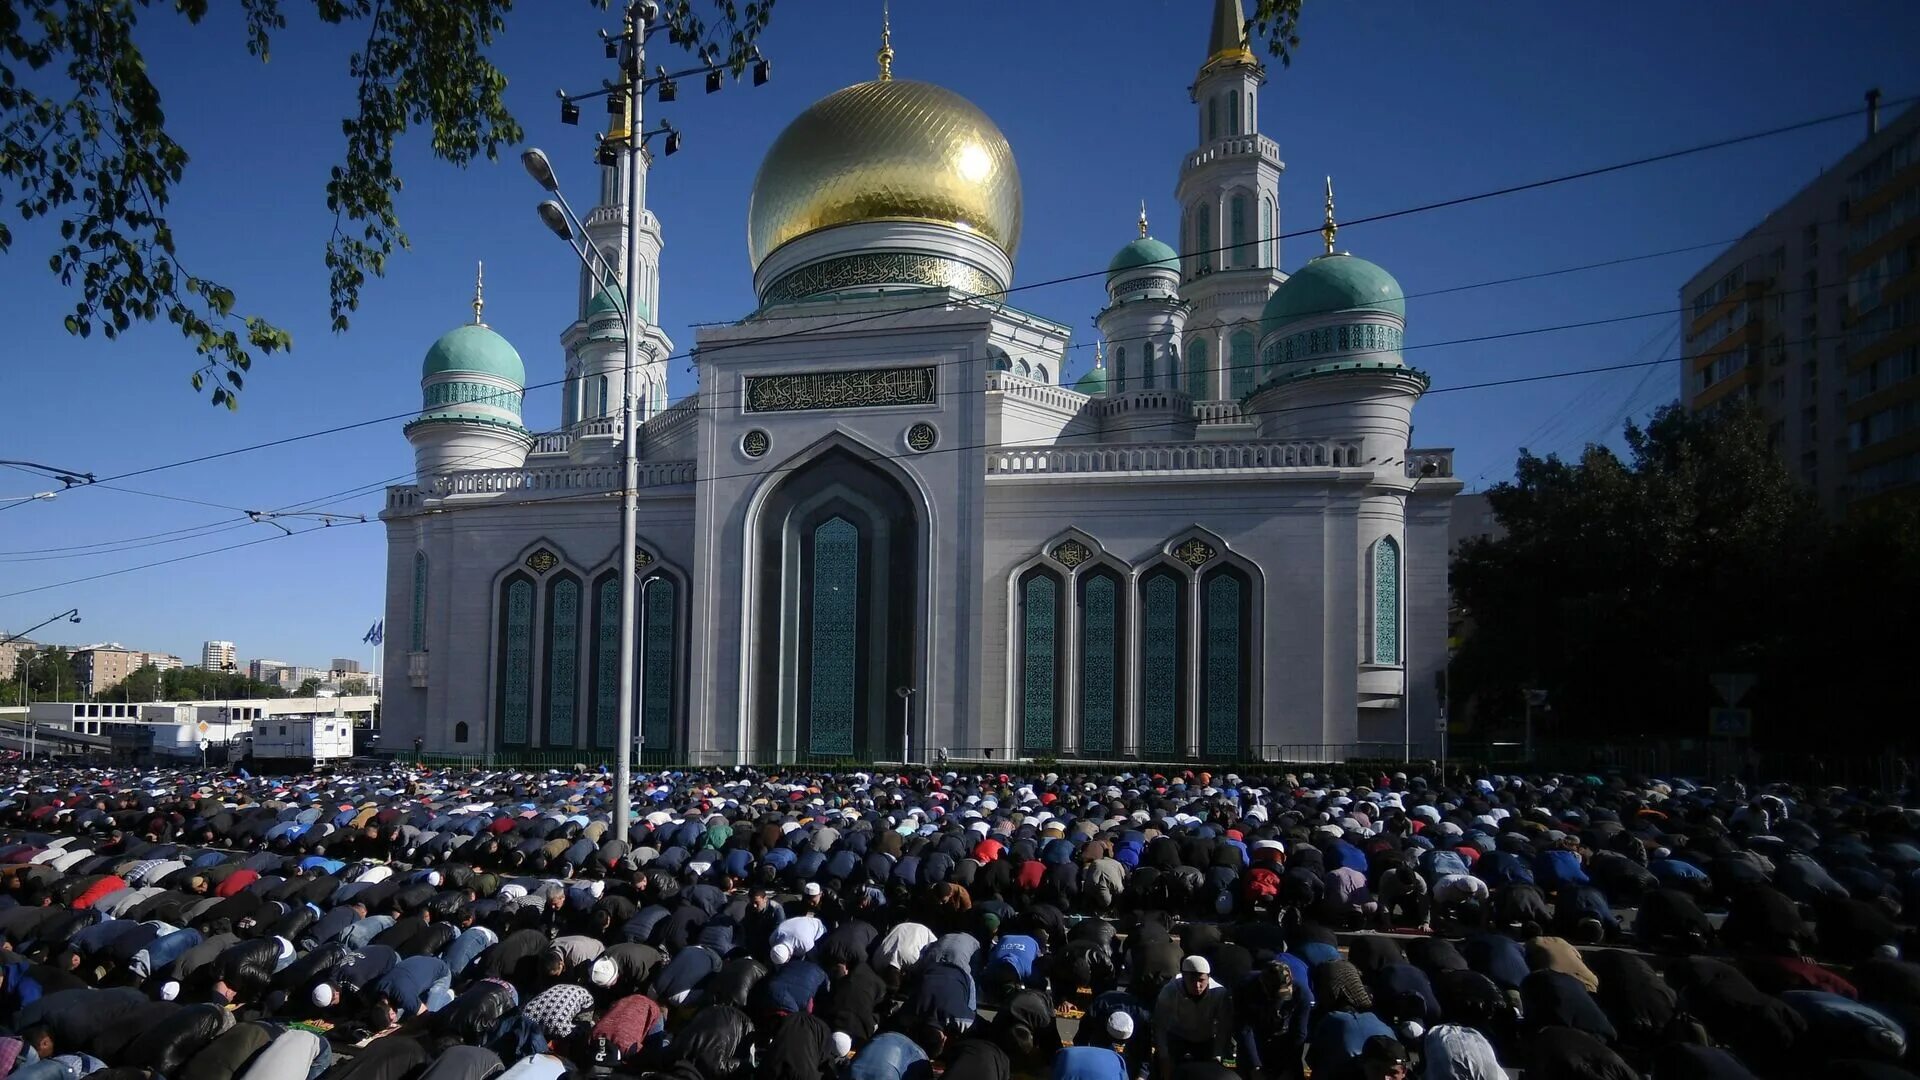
(886, 43)
(479, 298)
(1143, 219)
(1327, 230)
(1099, 354)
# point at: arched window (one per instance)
(514, 704)
(1163, 650)
(460, 732)
(563, 661)
(1386, 601)
(1119, 368)
(1233, 114)
(1102, 661)
(1253, 124)
(1203, 239)
(1242, 363)
(834, 637)
(1225, 660)
(659, 612)
(606, 660)
(1237, 226)
(1266, 232)
(1040, 373)
(1213, 118)
(1042, 667)
(1197, 374)
(569, 400)
(605, 389)
(417, 630)
(1020, 368)
(1146, 365)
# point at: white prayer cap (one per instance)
(323, 996)
(169, 990)
(1120, 1026)
(603, 972)
(782, 952)
(842, 1044)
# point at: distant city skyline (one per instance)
(1379, 96)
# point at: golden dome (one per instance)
(890, 150)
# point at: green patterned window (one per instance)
(516, 660)
(1100, 661)
(1197, 369)
(1039, 660)
(1386, 601)
(1242, 363)
(1203, 239)
(1241, 254)
(1120, 368)
(659, 597)
(1267, 240)
(1162, 662)
(1223, 645)
(606, 660)
(835, 633)
(563, 661)
(1146, 365)
(605, 390)
(417, 627)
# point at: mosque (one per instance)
(888, 527)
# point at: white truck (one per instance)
(301, 741)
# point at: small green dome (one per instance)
(474, 349)
(1334, 283)
(1145, 252)
(1093, 382)
(607, 302)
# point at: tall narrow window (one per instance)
(568, 400)
(836, 631)
(1253, 124)
(417, 631)
(658, 597)
(515, 704)
(1237, 226)
(1213, 118)
(1120, 368)
(1100, 661)
(1266, 233)
(1040, 660)
(1242, 363)
(1203, 242)
(1146, 365)
(1233, 114)
(1197, 374)
(460, 732)
(1386, 601)
(606, 660)
(605, 389)
(1163, 650)
(563, 661)
(1224, 632)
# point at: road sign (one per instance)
(1730, 723)
(1732, 686)
(1440, 722)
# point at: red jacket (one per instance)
(109, 884)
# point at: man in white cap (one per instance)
(1192, 1018)
(1106, 1060)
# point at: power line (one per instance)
(1462, 200)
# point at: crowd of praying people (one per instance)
(412, 923)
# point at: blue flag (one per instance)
(376, 633)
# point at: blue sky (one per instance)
(1402, 102)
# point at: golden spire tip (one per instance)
(479, 295)
(1143, 219)
(1099, 353)
(1328, 230)
(886, 42)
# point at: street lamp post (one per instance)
(906, 722)
(630, 50)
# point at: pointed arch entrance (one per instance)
(836, 626)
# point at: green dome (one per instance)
(607, 302)
(474, 349)
(1334, 283)
(1093, 382)
(1145, 252)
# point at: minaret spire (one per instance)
(479, 295)
(1329, 229)
(886, 42)
(1143, 219)
(1099, 354)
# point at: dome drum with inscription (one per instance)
(889, 182)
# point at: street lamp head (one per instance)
(555, 219)
(74, 618)
(540, 168)
(673, 143)
(762, 71)
(713, 82)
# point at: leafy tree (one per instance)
(353, 687)
(308, 687)
(1621, 585)
(84, 139)
(48, 675)
(1277, 22)
(142, 685)
(200, 684)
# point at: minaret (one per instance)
(471, 386)
(1143, 322)
(596, 342)
(1229, 194)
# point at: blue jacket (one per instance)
(1018, 950)
(890, 1056)
(1088, 1063)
